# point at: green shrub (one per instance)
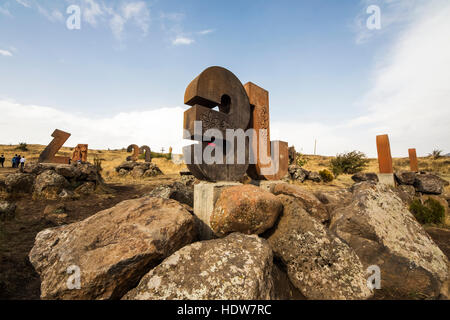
(435, 154)
(431, 211)
(168, 156)
(300, 160)
(22, 146)
(349, 163)
(326, 175)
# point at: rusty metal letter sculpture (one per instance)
(48, 155)
(259, 101)
(80, 153)
(147, 152)
(384, 154)
(216, 86)
(413, 163)
(135, 150)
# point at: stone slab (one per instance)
(387, 178)
(205, 197)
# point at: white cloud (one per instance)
(92, 11)
(6, 53)
(409, 98)
(181, 40)
(205, 32)
(5, 12)
(23, 3)
(34, 124)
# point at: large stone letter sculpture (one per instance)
(259, 120)
(135, 149)
(147, 152)
(48, 155)
(80, 153)
(214, 87)
(413, 164)
(384, 154)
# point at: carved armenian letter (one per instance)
(214, 87)
(135, 150)
(80, 153)
(48, 155)
(413, 163)
(384, 154)
(147, 152)
(259, 120)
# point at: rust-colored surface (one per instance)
(384, 154)
(147, 152)
(48, 155)
(80, 153)
(281, 163)
(292, 155)
(413, 163)
(214, 87)
(259, 101)
(135, 150)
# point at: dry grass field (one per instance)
(112, 158)
(19, 280)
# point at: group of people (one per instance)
(17, 161)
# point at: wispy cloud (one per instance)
(205, 32)
(24, 3)
(6, 53)
(394, 13)
(5, 12)
(180, 40)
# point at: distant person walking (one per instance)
(13, 160)
(2, 161)
(18, 161)
(22, 163)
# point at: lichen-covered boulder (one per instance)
(176, 191)
(246, 209)
(405, 177)
(237, 267)
(429, 184)
(318, 263)
(381, 230)
(19, 183)
(314, 176)
(365, 176)
(49, 184)
(308, 200)
(113, 249)
(7, 209)
(297, 173)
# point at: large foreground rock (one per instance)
(319, 264)
(378, 226)
(113, 248)
(308, 200)
(246, 209)
(236, 267)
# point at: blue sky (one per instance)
(326, 72)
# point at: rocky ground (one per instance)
(303, 240)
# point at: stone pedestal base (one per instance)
(387, 178)
(205, 197)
